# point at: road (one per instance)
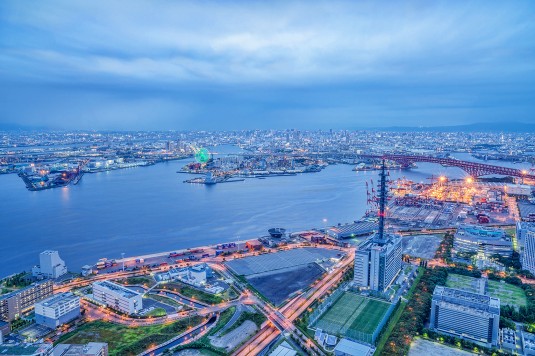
(279, 321)
(282, 320)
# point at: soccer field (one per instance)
(353, 312)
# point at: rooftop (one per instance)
(58, 299)
(117, 288)
(349, 347)
(466, 296)
(11, 294)
(25, 349)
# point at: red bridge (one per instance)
(472, 168)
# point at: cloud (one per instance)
(441, 51)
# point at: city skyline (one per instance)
(241, 66)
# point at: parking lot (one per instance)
(277, 286)
(280, 260)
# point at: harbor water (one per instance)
(149, 209)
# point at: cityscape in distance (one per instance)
(267, 178)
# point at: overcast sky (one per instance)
(273, 64)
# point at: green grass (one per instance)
(224, 318)
(194, 293)
(157, 312)
(139, 280)
(124, 340)
(257, 318)
(203, 344)
(168, 301)
(508, 293)
(465, 283)
(353, 312)
(370, 316)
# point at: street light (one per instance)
(122, 257)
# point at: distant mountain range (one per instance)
(478, 127)
(16, 127)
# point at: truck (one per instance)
(140, 260)
(174, 254)
(102, 263)
(483, 218)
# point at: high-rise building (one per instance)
(464, 314)
(13, 304)
(117, 297)
(50, 265)
(526, 233)
(378, 259)
(377, 265)
(57, 310)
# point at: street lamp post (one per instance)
(122, 257)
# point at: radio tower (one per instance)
(380, 236)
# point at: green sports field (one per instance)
(353, 312)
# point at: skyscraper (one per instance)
(526, 233)
(378, 259)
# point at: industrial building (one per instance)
(13, 304)
(357, 228)
(89, 349)
(57, 310)
(485, 240)
(50, 265)
(467, 315)
(526, 233)
(117, 297)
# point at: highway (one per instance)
(278, 321)
(282, 320)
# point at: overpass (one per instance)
(474, 169)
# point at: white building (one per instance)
(378, 264)
(50, 265)
(57, 310)
(350, 348)
(117, 297)
(526, 232)
(89, 349)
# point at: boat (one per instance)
(277, 232)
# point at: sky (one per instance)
(136, 65)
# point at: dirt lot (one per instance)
(234, 338)
(421, 347)
(423, 246)
(278, 286)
